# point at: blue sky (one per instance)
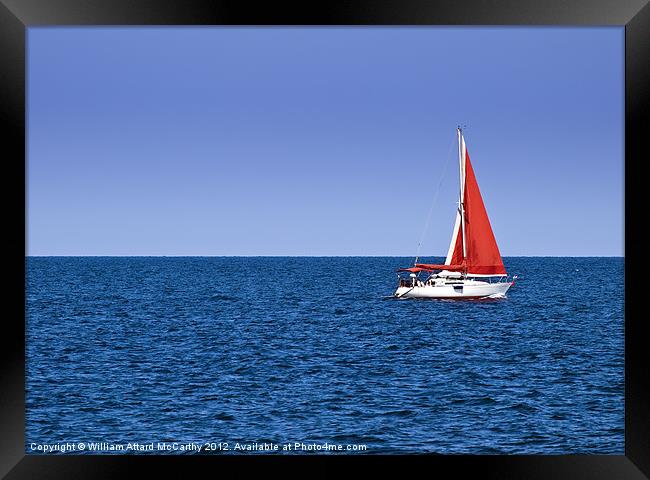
(321, 141)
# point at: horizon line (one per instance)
(315, 256)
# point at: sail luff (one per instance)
(461, 195)
(457, 248)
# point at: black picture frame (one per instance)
(18, 15)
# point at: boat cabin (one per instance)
(427, 277)
(416, 277)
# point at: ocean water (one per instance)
(245, 350)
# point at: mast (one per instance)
(461, 176)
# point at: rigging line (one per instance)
(401, 295)
(435, 198)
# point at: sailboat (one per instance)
(473, 268)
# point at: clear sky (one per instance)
(321, 141)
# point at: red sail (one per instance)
(482, 252)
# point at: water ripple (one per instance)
(307, 349)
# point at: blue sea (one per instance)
(227, 351)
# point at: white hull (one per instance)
(463, 289)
